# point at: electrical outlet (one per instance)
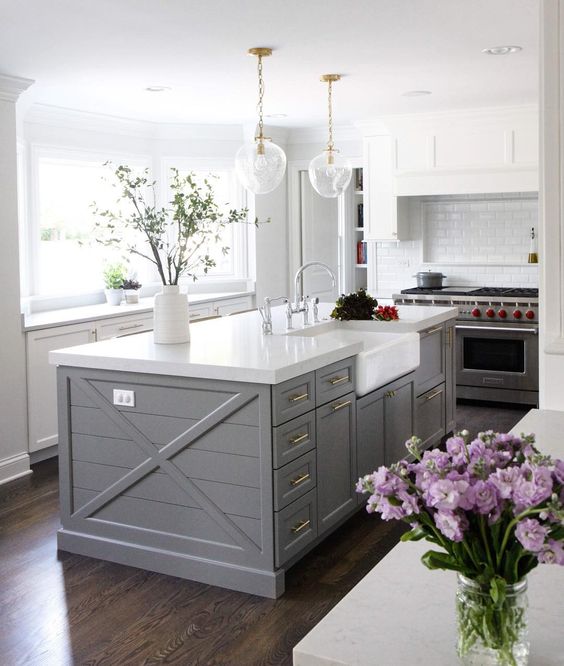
(124, 398)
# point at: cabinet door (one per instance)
(370, 444)
(430, 416)
(399, 423)
(230, 306)
(42, 381)
(336, 461)
(117, 327)
(450, 377)
(380, 204)
(431, 371)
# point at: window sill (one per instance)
(76, 315)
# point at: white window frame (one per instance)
(30, 211)
(243, 234)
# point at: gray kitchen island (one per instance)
(226, 459)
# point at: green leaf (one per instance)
(415, 534)
(434, 560)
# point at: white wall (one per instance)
(551, 325)
(473, 239)
(14, 460)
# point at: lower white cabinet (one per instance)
(41, 379)
(117, 327)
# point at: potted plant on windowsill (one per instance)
(131, 290)
(114, 275)
(174, 239)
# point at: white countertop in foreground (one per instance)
(234, 348)
(402, 613)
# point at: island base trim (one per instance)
(253, 581)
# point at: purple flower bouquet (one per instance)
(495, 508)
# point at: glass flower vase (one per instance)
(490, 633)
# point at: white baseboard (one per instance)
(14, 467)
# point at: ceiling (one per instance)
(100, 55)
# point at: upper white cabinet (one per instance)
(384, 211)
(458, 152)
(380, 201)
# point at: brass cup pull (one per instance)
(340, 405)
(390, 394)
(297, 398)
(433, 330)
(299, 479)
(338, 380)
(298, 527)
(298, 438)
(433, 395)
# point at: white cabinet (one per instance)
(117, 327)
(41, 379)
(233, 305)
(382, 209)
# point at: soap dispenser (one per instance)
(533, 254)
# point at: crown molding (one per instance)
(497, 114)
(54, 116)
(319, 134)
(11, 87)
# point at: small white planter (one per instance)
(113, 296)
(131, 296)
(170, 316)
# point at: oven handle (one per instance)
(499, 328)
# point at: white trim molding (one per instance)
(14, 467)
(11, 87)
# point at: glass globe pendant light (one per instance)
(260, 164)
(329, 172)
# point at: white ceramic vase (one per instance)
(114, 296)
(170, 316)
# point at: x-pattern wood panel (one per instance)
(162, 459)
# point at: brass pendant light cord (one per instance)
(261, 96)
(330, 144)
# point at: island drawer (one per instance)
(295, 527)
(292, 439)
(294, 480)
(334, 380)
(293, 398)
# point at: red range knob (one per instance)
(530, 314)
(502, 313)
(517, 314)
(476, 312)
(490, 312)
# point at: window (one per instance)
(61, 256)
(228, 195)
(65, 257)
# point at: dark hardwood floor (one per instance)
(65, 609)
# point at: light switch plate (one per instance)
(124, 398)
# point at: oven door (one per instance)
(494, 357)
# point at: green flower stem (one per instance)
(482, 524)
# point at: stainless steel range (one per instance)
(497, 340)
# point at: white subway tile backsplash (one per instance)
(486, 236)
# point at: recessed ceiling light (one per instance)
(416, 93)
(157, 88)
(502, 50)
(276, 115)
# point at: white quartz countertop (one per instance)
(403, 613)
(78, 315)
(234, 348)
